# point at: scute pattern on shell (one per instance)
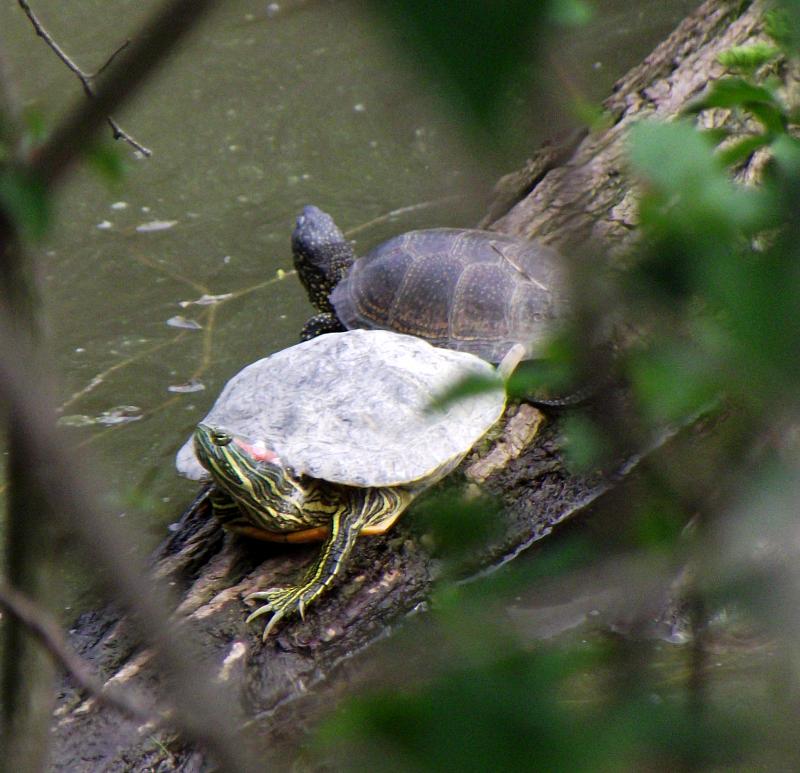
(354, 408)
(467, 290)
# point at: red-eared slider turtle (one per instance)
(469, 290)
(333, 438)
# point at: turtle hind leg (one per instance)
(364, 506)
(325, 322)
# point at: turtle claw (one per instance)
(281, 602)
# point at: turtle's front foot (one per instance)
(345, 527)
(284, 601)
(324, 322)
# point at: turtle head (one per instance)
(322, 256)
(250, 474)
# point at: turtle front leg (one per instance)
(364, 507)
(345, 528)
(325, 322)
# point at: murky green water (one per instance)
(269, 107)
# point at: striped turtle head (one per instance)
(251, 475)
(322, 256)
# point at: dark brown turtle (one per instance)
(474, 291)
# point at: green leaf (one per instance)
(660, 520)
(572, 13)
(466, 387)
(689, 191)
(741, 150)
(774, 120)
(672, 155)
(590, 114)
(36, 126)
(25, 199)
(735, 92)
(505, 712)
(748, 58)
(786, 154)
(555, 374)
(716, 135)
(778, 25)
(458, 524)
(673, 381)
(585, 445)
(472, 52)
(107, 162)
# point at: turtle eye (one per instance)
(221, 438)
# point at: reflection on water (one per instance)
(156, 292)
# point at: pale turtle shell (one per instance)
(355, 408)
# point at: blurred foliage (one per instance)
(22, 196)
(747, 59)
(24, 199)
(584, 442)
(515, 712)
(453, 525)
(475, 53)
(108, 162)
(782, 24)
(713, 286)
(35, 129)
(465, 387)
(554, 378)
(472, 51)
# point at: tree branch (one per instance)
(203, 710)
(41, 625)
(127, 73)
(65, 496)
(84, 78)
(111, 58)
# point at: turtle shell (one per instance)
(355, 408)
(468, 290)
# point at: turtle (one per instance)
(464, 289)
(334, 437)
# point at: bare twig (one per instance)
(59, 52)
(41, 625)
(83, 77)
(111, 58)
(120, 134)
(126, 73)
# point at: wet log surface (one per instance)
(277, 685)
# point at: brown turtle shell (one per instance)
(469, 290)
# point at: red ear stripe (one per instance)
(258, 451)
